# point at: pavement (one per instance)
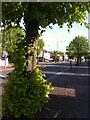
(70, 96)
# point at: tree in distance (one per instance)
(56, 55)
(78, 48)
(40, 45)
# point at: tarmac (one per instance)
(70, 98)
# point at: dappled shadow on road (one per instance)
(55, 68)
(78, 70)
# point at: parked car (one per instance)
(46, 60)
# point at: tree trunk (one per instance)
(31, 26)
(80, 60)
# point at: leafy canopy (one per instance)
(40, 45)
(11, 36)
(78, 47)
(45, 13)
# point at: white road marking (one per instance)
(57, 113)
(57, 73)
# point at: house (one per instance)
(44, 56)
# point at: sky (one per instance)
(62, 37)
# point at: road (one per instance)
(52, 70)
(69, 99)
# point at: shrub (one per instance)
(25, 94)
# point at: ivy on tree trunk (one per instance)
(31, 26)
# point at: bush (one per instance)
(25, 94)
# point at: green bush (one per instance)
(25, 94)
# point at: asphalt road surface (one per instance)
(70, 97)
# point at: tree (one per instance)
(10, 38)
(78, 48)
(26, 90)
(36, 15)
(87, 56)
(61, 53)
(70, 51)
(55, 56)
(40, 45)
